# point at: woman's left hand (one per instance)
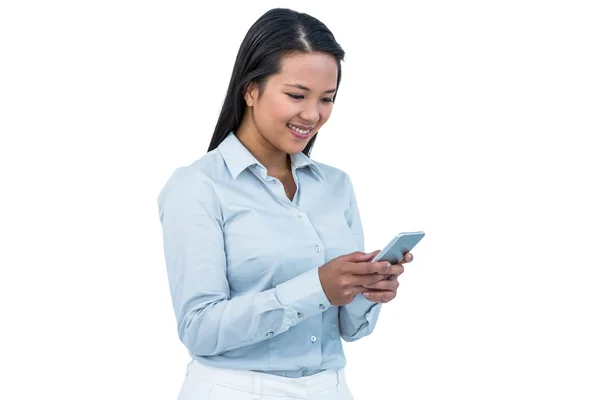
(385, 290)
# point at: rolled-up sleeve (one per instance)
(209, 322)
(359, 317)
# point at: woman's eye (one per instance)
(300, 97)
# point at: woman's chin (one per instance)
(294, 148)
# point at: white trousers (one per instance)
(203, 382)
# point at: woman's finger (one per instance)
(383, 285)
(408, 257)
(380, 297)
(396, 271)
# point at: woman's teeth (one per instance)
(300, 131)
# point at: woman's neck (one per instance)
(274, 160)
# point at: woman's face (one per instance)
(296, 102)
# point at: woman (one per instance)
(263, 245)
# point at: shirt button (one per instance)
(313, 338)
(304, 372)
(300, 315)
(318, 249)
(299, 216)
(269, 334)
(321, 306)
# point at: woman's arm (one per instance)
(209, 322)
(358, 318)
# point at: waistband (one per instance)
(267, 384)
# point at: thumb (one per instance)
(358, 256)
(373, 254)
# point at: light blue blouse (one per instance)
(242, 262)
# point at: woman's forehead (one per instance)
(308, 69)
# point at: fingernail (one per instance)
(367, 295)
(388, 265)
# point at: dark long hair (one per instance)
(277, 33)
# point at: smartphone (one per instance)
(401, 244)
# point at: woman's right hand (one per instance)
(343, 277)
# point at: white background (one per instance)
(474, 121)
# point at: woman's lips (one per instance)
(298, 134)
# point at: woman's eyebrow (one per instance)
(307, 89)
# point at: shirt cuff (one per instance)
(361, 306)
(358, 318)
(303, 295)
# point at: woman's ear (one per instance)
(250, 94)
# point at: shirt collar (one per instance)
(301, 160)
(236, 155)
(238, 158)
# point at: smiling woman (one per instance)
(263, 245)
(275, 38)
(289, 107)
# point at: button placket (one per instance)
(279, 190)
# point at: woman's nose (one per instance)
(310, 114)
